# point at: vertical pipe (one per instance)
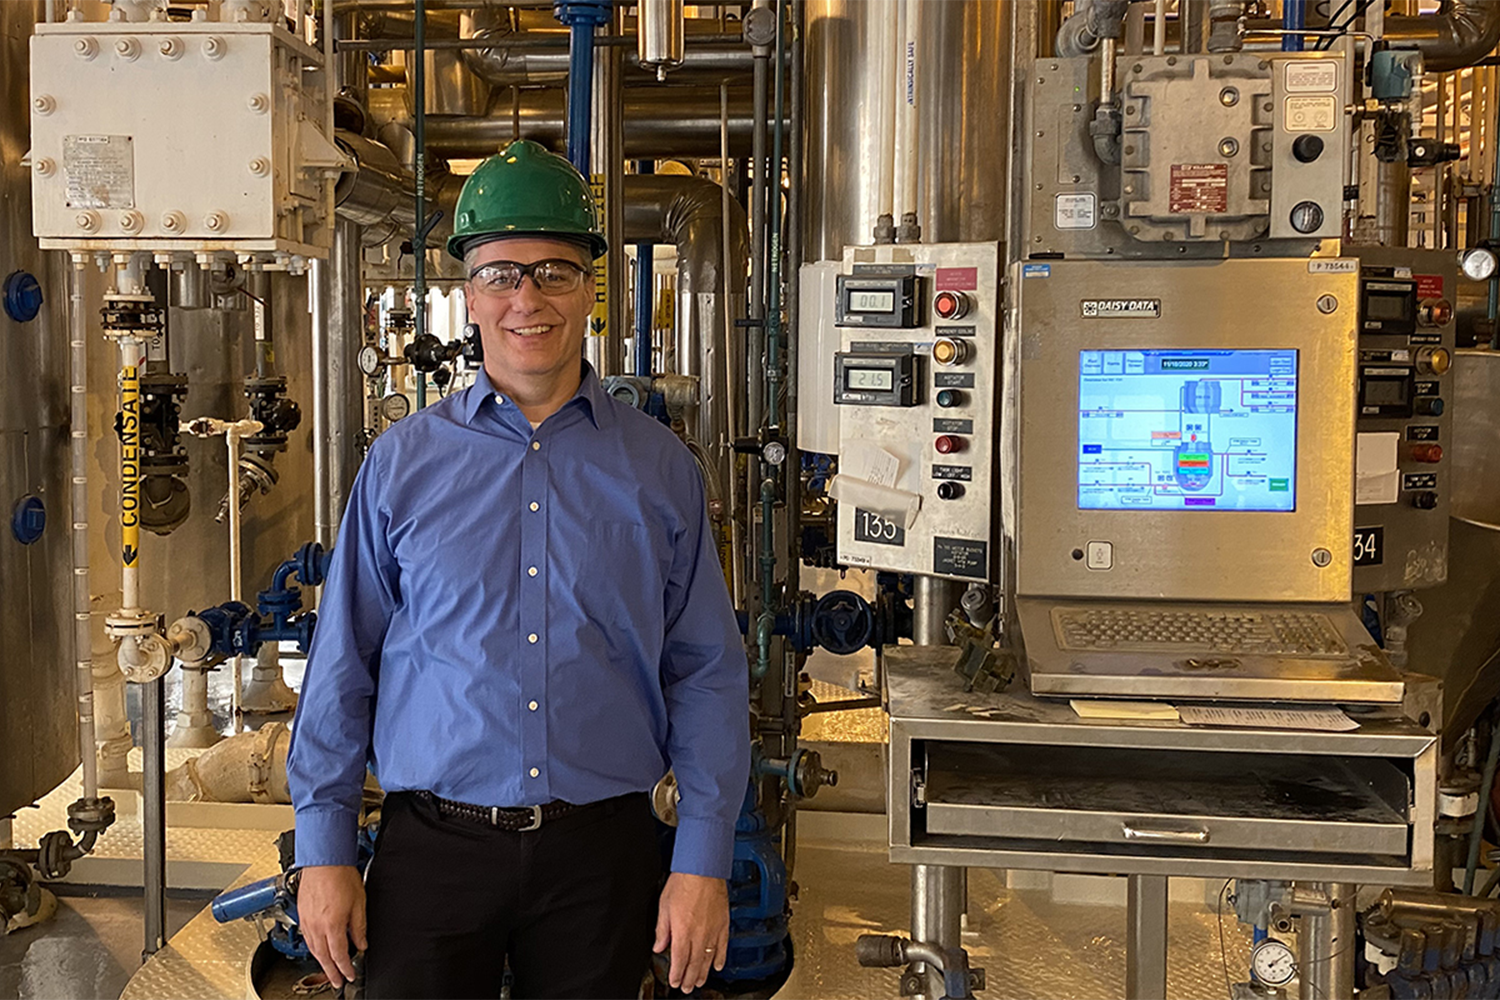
(236, 571)
(933, 598)
(7, 833)
(318, 299)
(78, 432)
(1146, 937)
(580, 91)
(773, 232)
(1326, 947)
(1440, 174)
(737, 568)
(419, 169)
(609, 161)
(645, 280)
(758, 186)
(1159, 28)
(793, 482)
(345, 338)
(936, 915)
(131, 354)
(154, 812)
(1293, 18)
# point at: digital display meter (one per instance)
(874, 379)
(892, 302)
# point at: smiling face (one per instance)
(533, 342)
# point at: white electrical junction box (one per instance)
(201, 137)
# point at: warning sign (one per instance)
(1429, 286)
(1201, 188)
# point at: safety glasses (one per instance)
(553, 276)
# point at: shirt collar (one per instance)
(591, 392)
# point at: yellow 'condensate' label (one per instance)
(130, 466)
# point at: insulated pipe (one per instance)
(83, 636)
(659, 122)
(247, 767)
(509, 66)
(907, 160)
(758, 170)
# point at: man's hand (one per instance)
(331, 911)
(694, 921)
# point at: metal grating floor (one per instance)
(1030, 944)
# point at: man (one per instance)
(524, 625)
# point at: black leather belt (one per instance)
(514, 820)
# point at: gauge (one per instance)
(1273, 963)
(1478, 264)
(1307, 217)
(369, 360)
(394, 407)
(774, 452)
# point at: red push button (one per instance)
(947, 444)
(1427, 452)
(951, 305)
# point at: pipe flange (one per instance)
(262, 756)
(194, 642)
(129, 623)
(759, 27)
(144, 658)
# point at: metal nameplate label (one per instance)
(1419, 481)
(961, 472)
(1421, 432)
(1332, 265)
(942, 426)
(1121, 308)
(961, 557)
(953, 380)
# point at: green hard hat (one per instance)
(525, 190)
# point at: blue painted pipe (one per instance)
(645, 279)
(581, 17)
(257, 897)
(1293, 18)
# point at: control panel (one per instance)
(1406, 339)
(916, 385)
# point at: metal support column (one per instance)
(1325, 946)
(932, 598)
(1146, 938)
(154, 813)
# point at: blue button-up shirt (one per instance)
(514, 616)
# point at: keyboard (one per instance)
(1143, 630)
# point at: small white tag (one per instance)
(1075, 211)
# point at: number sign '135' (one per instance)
(872, 527)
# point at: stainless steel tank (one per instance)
(39, 738)
(1458, 636)
(962, 99)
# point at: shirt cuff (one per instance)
(703, 847)
(327, 837)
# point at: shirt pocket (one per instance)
(618, 579)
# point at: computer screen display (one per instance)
(1187, 430)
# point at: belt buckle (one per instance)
(536, 820)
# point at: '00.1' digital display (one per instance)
(872, 302)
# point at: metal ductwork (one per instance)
(379, 193)
(512, 67)
(1460, 34)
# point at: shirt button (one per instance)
(535, 772)
(532, 706)
(535, 505)
(499, 399)
(531, 571)
(531, 637)
(536, 446)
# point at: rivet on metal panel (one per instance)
(260, 166)
(44, 167)
(86, 48)
(260, 103)
(213, 47)
(128, 48)
(131, 222)
(43, 104)
(88, 221)
(215, 221)
(171, 48)
(173, 222)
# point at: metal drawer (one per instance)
(1147, 799)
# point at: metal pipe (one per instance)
(419, 169)
(1293, 18)
(236, 567)
(660, 122)
(936, 916)
(755, 343)
(580, 89)
(325, 526)
(609, 161)
(83, 637)
(730, 465)
(660, 30)
(345, 337)
(793, 477)
(933, 597)
(1146, 937)
(1326, 946)
(645, 279)
(1159, 28)
(1486, 785)
(154, 813)
(507, 63)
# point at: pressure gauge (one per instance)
(1478, 264)
(394, 407)
(369, 360)
(1272, 963)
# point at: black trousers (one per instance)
(572, 906)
